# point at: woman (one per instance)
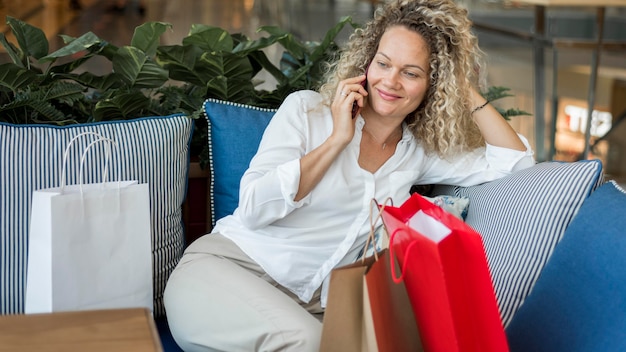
(259, 281)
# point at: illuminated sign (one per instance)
(576, 116)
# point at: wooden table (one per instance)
(98, 330)
(540, 40)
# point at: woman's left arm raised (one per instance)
(494, 128)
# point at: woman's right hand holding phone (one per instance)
(348, 102)
(314, 165)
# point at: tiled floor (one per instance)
(510, 60)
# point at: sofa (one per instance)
(533, 222)
(552, 235)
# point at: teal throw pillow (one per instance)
(235, 131)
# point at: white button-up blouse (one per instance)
(299, 243)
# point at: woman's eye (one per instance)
(410, 74)
(382, 64)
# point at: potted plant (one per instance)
(150, 79)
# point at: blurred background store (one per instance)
(557, 126)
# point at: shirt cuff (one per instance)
(507, 159)
(289, 179)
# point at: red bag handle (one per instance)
(398, 279)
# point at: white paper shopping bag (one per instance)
(90, 248)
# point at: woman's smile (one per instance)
(387, 96)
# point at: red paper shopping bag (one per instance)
(445, 271)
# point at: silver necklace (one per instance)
(384, 144)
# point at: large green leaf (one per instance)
(253, 49)
(63, 91)
(261, 59)
(15, 77)
(16, 55)
(249, 46)
(185, 56)
(307, 73)
(185, 99)
(107, 50)
(101, 83)
(75, 45)
(71, 65)
(214, 70)
(147, 36)
(136, 70)
(58, 101)
(126, 105)
(227, 65)
(209, 38)
(200, 76)
(180, 61)
(230, 75)
(127, 63)
(291, 44)
(151, 76)
(329, 39)
(31, 40)
(298, 77)
(227, 89)
(28, 107)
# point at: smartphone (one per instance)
(355, 105)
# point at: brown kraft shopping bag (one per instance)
(367, 311)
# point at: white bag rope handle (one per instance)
(107, 156)
(100, 138)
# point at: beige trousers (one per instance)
(218, 299)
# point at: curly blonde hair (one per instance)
(443, 122)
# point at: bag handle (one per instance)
(107, 155)
(67, 152)
(398, 279)
(371, 239)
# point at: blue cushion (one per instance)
(235, 131)
(579, 301)
(151, 150)
(522, 217)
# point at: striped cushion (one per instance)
(151, 150)
(235, 131)
(522, 217)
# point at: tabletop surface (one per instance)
(98, 330)
(585, 3)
